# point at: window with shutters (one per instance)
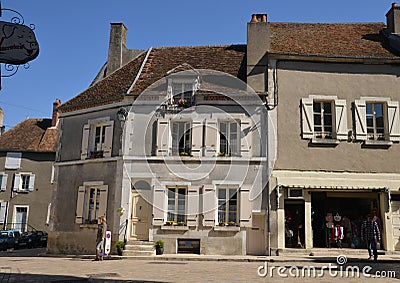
(97, 138)
(181, 138)
(177, 205)
(3, 181)
(229, 134)
(91, 204)
(24, 182)
(324, 119)
(377, 120)
(180, 91)
(228, 204)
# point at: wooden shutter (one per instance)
(197, 137)
(211, 138)
(360, 116)
(109, 129)
(13, 160)
(245, 207)
(307, 118)
(85, 141)
(3, 211)
(209, 205)
(103, 201)
(393, 120)
(162, 136)
(31, 182)
(80, 204)
(341, 119)
(192, 206)
(158, 206)
(245, 137)
(17, 180)
(4, 182)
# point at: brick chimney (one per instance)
(117, 47)
(393, 19)
(54, 118)
(258, 45)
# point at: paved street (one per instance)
(19, 266)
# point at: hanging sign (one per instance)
(18, 44)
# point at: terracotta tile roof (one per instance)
(358, 39)
(333, 40)
(30, 135)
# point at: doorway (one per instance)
(21, 216)
(294, 224)
(140, 217)
(256, 235)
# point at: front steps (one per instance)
(139, 248)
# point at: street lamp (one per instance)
(122, 114)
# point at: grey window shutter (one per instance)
(393, 120)
(80, 205)
(245, 207)
(211, 138)
(13, 160)
(85, 141)
(4, 182)
(307, 118)
(209, 205)
(158, 206)
(192, 206)
(245, 137)
(197, 137)
(3, 211)
(360, 117)
(162, 136)
(17, 180)
(103, 201)
(31, 182)
(341, 119)
(109, 129)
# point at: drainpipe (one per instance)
(268, 190)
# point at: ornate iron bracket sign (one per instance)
(18, 44)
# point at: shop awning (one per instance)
(325, 187)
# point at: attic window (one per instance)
(181, 91)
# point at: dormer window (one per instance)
(181, 91)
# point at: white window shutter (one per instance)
(31, 182)
(197, 137)
(245, 207)
(3, 211)
(192, 206)
(80, 205)
(360, 117)
(341, 119)
(4, 182)
(103, 201)
(109, 129)
(245, 137)
(13, 160)
(162, 136)
(85, 141)
(307, 118)
(211, 138)
(393, 120)
(209, 205)
(158, 206)
(17, 180)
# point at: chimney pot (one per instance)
(254, 18)
(54, 118)
(264, 18)
(394, 4)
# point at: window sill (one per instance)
(325, 141)
(227, 228)
(376, 143)
(89, 226)
(174, 228)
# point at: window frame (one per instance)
(227, 218)
(176, 213)
(186, 150)
(228, 138)
(375, 136)
(323, 134)
(83, 202)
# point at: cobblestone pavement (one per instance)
(61, 269)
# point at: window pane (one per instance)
(233, 138)
(378, 110)
(221, 205)
(327, 108)
(317, 107)
(175, 133)
(369, 108)
(171, 204)
(98, 133)
(317, 120)
(223, 138)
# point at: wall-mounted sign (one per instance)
(18, 44)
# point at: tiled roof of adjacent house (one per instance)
(30, 135)
(341, 40)
(358, 40)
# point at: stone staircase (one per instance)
(139, 248)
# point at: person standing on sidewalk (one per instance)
(101, 236)
(370, 233)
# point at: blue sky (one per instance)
(73, 37)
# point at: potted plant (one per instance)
(169, 222)
(181, 223)
(120, 247)
(159, 245)
(121, 211)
